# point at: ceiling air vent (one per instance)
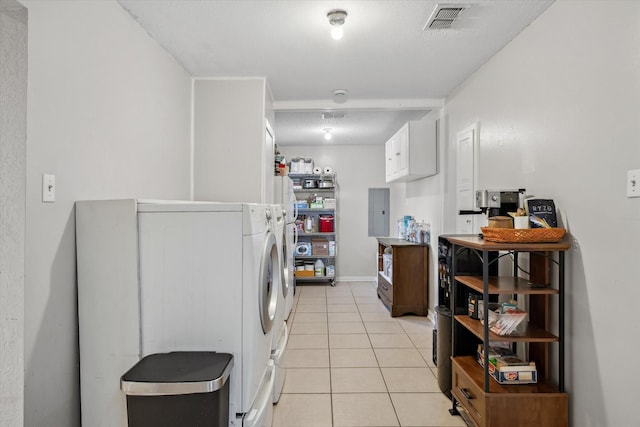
(332, 116)
(443, 16)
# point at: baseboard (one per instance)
(431, 316)
(355, 279)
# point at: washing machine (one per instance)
(280, 331)
(285, 196)
(156, 277)
(209, 277)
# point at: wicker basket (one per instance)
(522, 235)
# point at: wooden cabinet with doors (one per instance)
(403, 276)
(481, 397)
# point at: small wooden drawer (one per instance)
(385, 288)
(469, 395)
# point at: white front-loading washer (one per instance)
(289, 242)
(209, 275)
(285, 196)
(280, 332)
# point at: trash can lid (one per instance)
(179, 372)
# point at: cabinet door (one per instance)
(402, 151)
(390, 159)
(397, 154)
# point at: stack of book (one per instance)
(507, 368)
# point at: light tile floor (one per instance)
(349, 363)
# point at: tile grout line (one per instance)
(326, 300)
(384, 380)
(404, 328)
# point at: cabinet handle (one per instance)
(466, 394)
(384, 287)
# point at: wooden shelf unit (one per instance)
(406, 291)
(484, 400)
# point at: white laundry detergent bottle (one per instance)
(319, 268)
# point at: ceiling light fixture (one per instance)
(340, 96)
(327, 133)
(336, 18)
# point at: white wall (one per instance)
(232, 161)
(357, 168)
(422, 199)
(13, 149)
(109, 115)
(558, 110)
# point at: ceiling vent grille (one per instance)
(332, 116)
(443, 16)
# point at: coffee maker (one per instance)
(499, 202)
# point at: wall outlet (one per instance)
(48, 188)
(633, 183)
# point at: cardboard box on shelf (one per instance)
(509, 369)
(304, 273)
(319, 247)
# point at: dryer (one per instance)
(280, 331)
(285, 196)
(203, 277)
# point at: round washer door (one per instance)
(269, 283)
(284, 256)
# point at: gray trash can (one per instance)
(443, 351)
(184, 388)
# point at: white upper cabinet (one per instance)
(411, 153)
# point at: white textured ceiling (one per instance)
(356, 127)
(385, 58)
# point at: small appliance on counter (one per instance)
(499, 202)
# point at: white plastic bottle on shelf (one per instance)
(319, 268)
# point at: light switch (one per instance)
(48, 188)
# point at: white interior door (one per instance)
(466, 176)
